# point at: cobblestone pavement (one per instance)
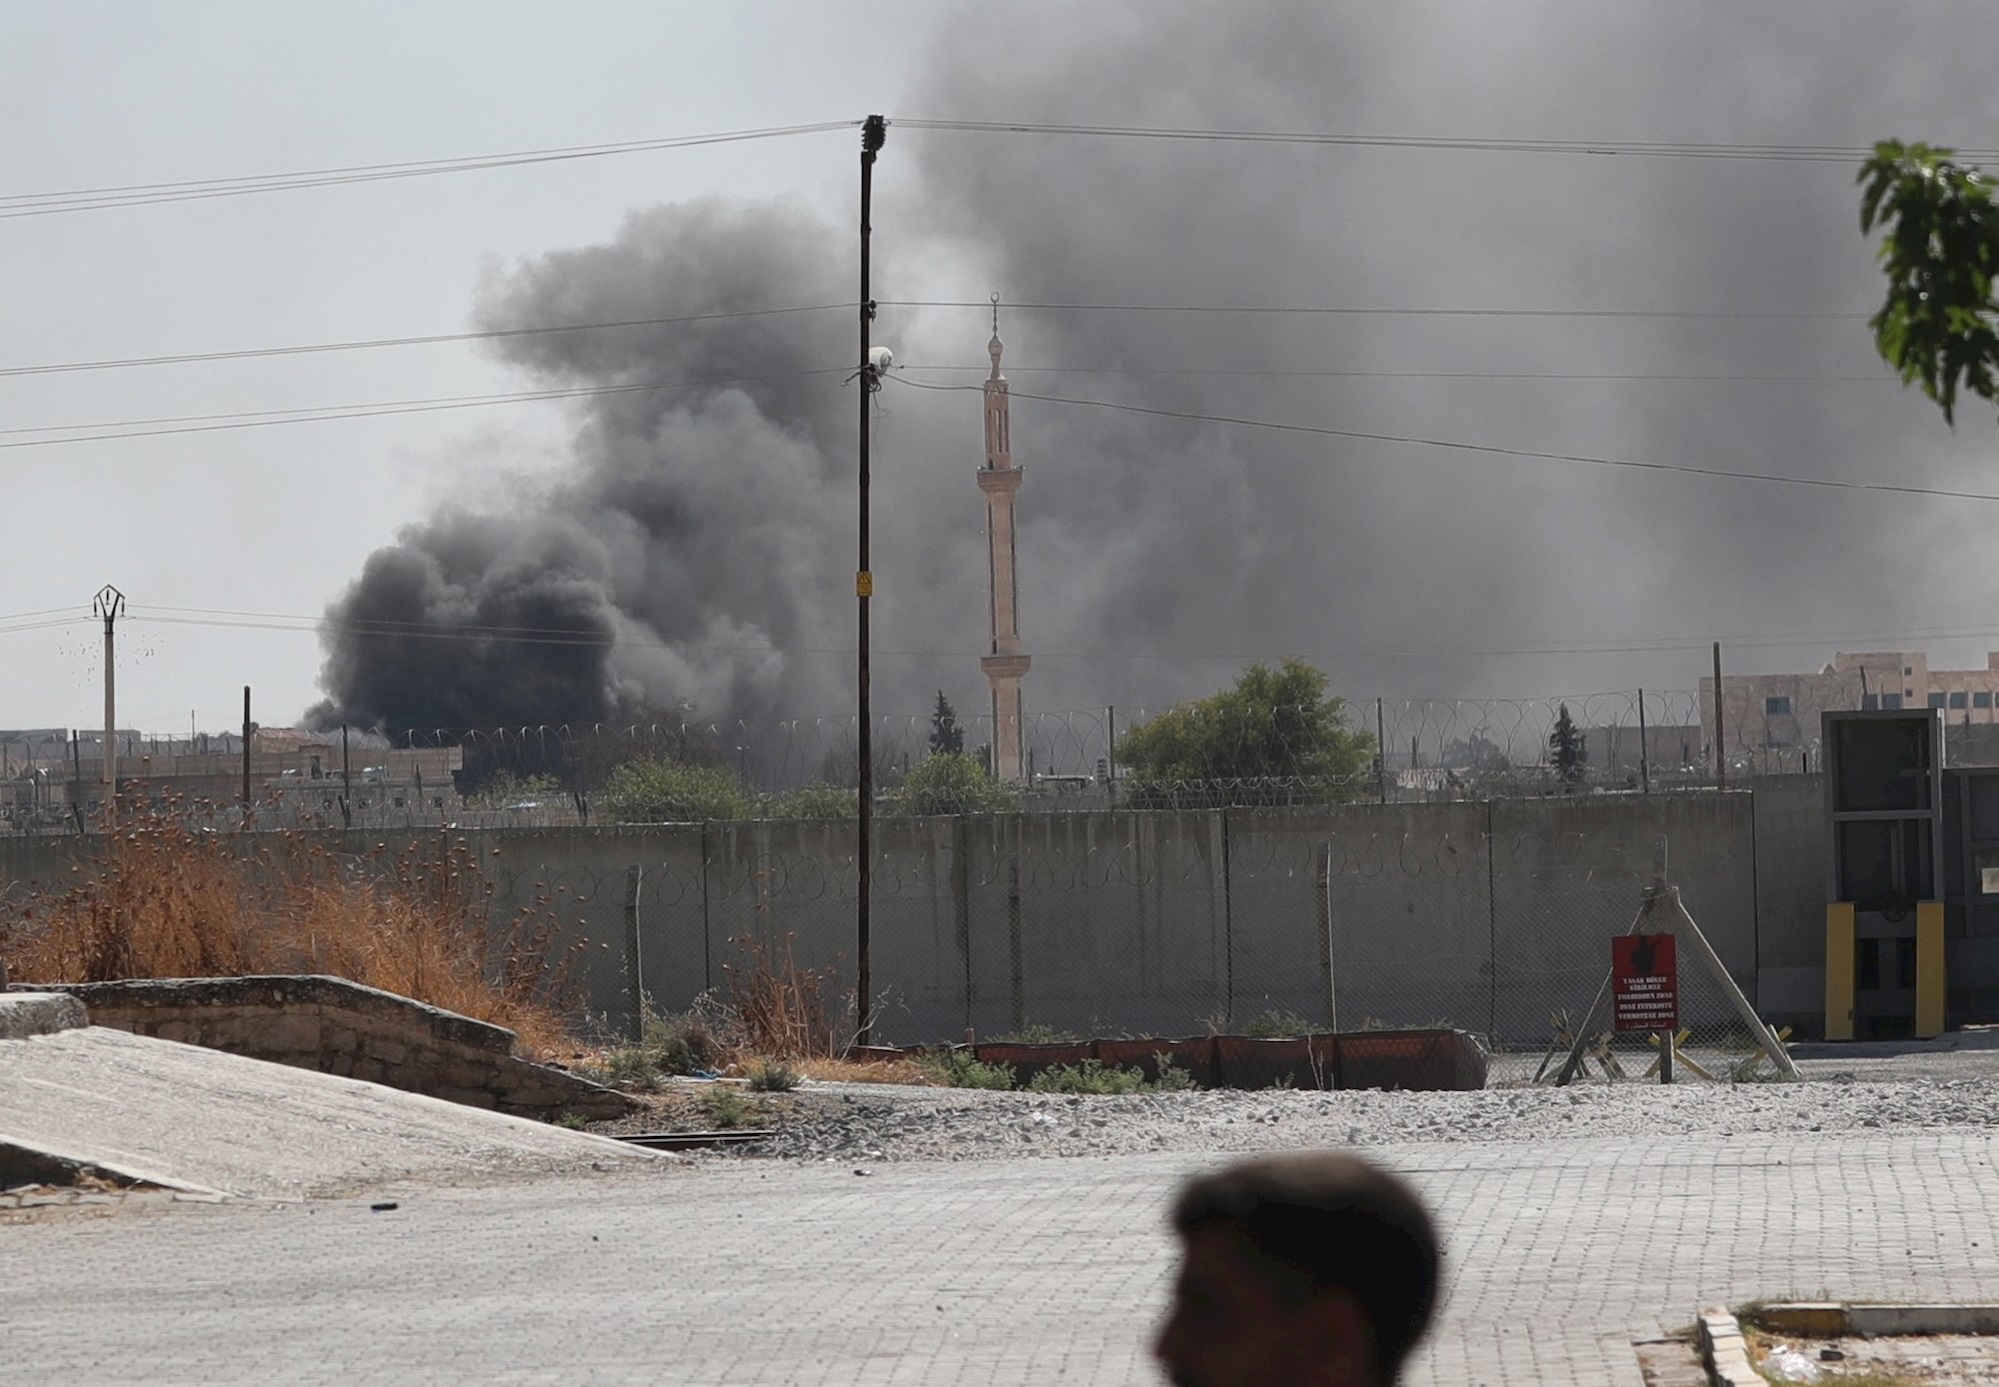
(1029, 1271)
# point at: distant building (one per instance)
(1770, 722)
(1617, 753)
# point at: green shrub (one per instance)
(950, 782)
(683, 1042)
(670, 792)
(813, 802)
(1273, 1025)
(963, 1069)
(726, 1107)
(1037, 1034)
(628, 1066)
(1172, 1078)
(772, 1076)
(1088, 1077)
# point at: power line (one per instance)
(588, 636)
(1796, 153)
(1399, 375)
(1310, 310)
(1458, 445)
(364, 344)
(257, 419)
(984, 305)
(147, 194)
(315, 414)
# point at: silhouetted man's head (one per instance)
(1309, 1268)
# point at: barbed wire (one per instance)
(1387, 750)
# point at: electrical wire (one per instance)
(1458, 445)
(255, 419)
(148, 194)
(1394, 375)
(593, 637)
(985, 305)
(1794, 153)
(1314, 310)
(363, 344)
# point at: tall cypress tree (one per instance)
(945, 734)
(1569, 748)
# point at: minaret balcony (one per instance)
(996, 481)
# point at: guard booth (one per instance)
(1971, 893)
(1885, 798)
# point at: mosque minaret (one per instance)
(1004, 665)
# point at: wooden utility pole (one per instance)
(248, 727)
(874, 133)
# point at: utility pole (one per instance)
(1720, 762)
(108, 606)
(248, 727)
(874, 133)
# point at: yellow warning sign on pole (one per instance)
(864, 584)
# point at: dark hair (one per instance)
(1325, 1220)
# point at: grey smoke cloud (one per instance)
(708, 529)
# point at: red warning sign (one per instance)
(1644, 983)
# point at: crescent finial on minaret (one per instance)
(995, 347)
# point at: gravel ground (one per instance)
(881, 1122)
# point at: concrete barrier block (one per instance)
(23, 1014)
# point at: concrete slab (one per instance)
(185, 1116)
(23, 1014)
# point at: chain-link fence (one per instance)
(1396, 751)
(1491, 918)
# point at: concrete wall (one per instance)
(1485, 916)
(1791, 864)
(337, 1027)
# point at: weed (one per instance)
(684, 1042)
(629, 1066)
(726, 1107)
(895, 1071)
(772, 1076)
(1037, 1034)
(1091, 1076)
(574, 1121)
(170, 896)
(963, 1069)
(1172, 1078)
(779, 1003)
(1274, 1025)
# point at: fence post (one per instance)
(634, 954)
(1324, 882)
(1221, 905)
(707, 946)
(1015, 963)
(961, 902)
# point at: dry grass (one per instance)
(169, 896)
(777, 1004)
(837, 1071)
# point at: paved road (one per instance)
(1030, 1271)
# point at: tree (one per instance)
(1941, 253)
(1273, 724)
(1569, 748)
(651, 792)
(951, 782)
(945, 734)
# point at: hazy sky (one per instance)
(710, 531)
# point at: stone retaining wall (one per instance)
(340, 1027)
